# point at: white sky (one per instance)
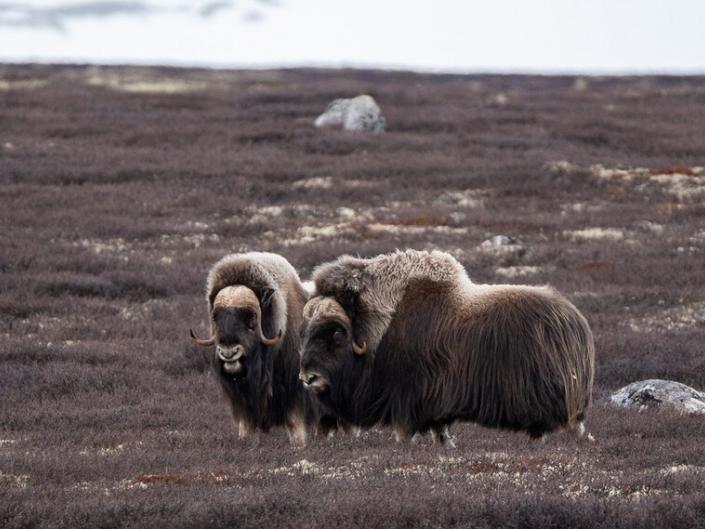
(590, 36)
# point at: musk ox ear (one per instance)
(265, 297)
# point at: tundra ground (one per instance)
(119, 188)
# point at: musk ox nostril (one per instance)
(307, 378)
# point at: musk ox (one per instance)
(407, 340)
(255, 303)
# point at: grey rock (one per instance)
(656, 392)
(359, 113)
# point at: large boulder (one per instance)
(655, 392)
(359, 113)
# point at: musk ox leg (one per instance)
(349, 428)
(580, 432)
(327, 427)
(296, 428)
(245, 429)
(402, 435)
(441, 435)
(537, 432)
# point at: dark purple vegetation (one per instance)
(119, 187)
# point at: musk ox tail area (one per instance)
(536, 361)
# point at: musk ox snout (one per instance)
(233, 359)
(314, 381)
(231, 354)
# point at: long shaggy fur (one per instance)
(443, 349)
(270, 394)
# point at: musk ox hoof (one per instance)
(656, 392)
(442, 436)
(402, 436)
(245, 430)
(359, 113)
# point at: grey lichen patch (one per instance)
(594, 234)
(195, 240)
(404, 229)
(304, 467)
(142, 84)
(466, 199)
(146, 311)
(561, 166)
(7, 85)
(328, 182)
(686, 317)
(14, 480)
(682, 182)
(517, 271)
(116, 245)
(309, 234)
(314, 182)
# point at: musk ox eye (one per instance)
(250, 320)
(339, 336)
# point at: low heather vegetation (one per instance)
(120, 187)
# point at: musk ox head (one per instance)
(330, 353)
(236, 323)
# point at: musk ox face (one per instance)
(329, 351)
(236, 321)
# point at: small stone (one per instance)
(346, 213)
(648, 226)
(501, 99)
(561, 167)
(500, 240)
(580, 84)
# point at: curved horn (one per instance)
(271, 341)
(359, 349)
(199, 341)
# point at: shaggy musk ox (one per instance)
(406, 339)
(255, 303)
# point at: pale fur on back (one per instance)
(381, 283)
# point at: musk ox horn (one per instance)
(271, 341)
(199, 341)
(359, 349)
